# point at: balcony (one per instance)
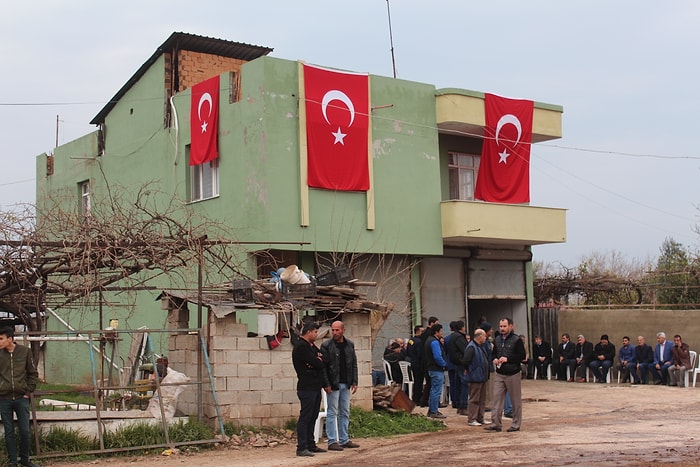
(467, 223)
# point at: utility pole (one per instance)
(391, 39)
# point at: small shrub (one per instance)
(377, 423)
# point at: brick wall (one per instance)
(255, 385)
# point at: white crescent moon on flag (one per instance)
(206, 97)
(505, 120)
(335, 95)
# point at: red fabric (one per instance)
(204, 121)
(337, 124)
(504, 169)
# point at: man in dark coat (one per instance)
(311, 374)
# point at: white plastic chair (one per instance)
(387, 373)
(407, 377)
(693, 367)
(318, 428)
(549, 367)
(696, 369)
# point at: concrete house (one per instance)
(417, 232)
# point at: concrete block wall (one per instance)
(256, 385)
(195, 67)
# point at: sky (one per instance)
(625, 72)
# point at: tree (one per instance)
(676, 276)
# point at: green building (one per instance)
(418, 233)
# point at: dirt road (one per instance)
(563, 424)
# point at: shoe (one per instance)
(487, 410)
(304, 453)
(492, 428)
(335, 447)
(442, 406)
(474, 423)
(317, 449)
(462, 412)
(512, 429)
(350, 445)
(27, 464)
(570, 380)
(581, 380)
(436, 415)
(508, 414)
(657, 382)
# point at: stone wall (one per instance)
(255, 385)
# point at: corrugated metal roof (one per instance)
(185, 41)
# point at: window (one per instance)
(204, 179)
(84, 189)
(463, 171)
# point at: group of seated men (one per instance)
(666, 362)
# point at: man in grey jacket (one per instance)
(341, 365)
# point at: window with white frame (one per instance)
(463, 169)
(204, 180)
(84, 189)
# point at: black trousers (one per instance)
(310, 402)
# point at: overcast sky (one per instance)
(626, 72)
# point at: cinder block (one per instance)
(250, 398)
(285, 384)
(261, 411)
(236, 356)
(271, 397)
(261, 384)
(272, 371)
(280, 355)
(251, 343)
(248, 370)
(237, 384)
(223, 343)
(290, 397)
(261, 357)
(226, 369)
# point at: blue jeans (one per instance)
(508, 405)
(437, 381)
(600, 369)
(21, 408)
(338, 415)
(644, 369)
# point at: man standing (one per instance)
(455, 352)
(508, 353)
(645, 359)
(603, 356)
(414, 354)
(311, 375)
(663, 359)
(476, 371)
(567, 359)
(435, 365)
(627, 360)
(681, 362)
(18, 378)
(341, 363)
(541, 357)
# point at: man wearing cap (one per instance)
(341, 366)
(310, 368)
(603, 356)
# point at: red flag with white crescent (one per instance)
(337, 126)
(504, 169)
(204, 121)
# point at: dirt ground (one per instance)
(563, 424)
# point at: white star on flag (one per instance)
(504, 157)
(204, 127)
(339, 137)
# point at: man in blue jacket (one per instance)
(475, 366)
(435, 365)
(663, 358)
(627, 361)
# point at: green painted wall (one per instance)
(259, 181)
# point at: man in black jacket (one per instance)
(508, 353)
(341, 365)
(566, 356)
(414, 354)
(455, 351)
(541, 357)
(310, 368)
(584, 356)
(603, 356)
(18, 378)
(645, 359)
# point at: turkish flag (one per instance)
(337, 125)
(204, 121)
(504, 169)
